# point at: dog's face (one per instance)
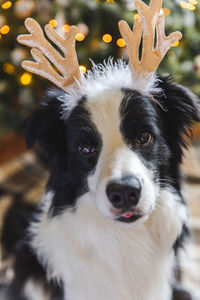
(116, 140)
(120, 147)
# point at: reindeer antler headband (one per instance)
(151, 19)
(67, 65)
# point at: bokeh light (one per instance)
(6, 5)
(53, 23)
(176, 44)
(107, 38)
(166, 11)
(121, 43)
(9, 68)
(5, 29)
(136, 16)
(65, 28)
(26, 78)
(80, 37)
(83, 69)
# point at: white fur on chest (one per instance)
(97, 258)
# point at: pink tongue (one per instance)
(127, 215)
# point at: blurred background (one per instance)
(98, 38)
(21, 174)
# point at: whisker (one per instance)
(165, 180)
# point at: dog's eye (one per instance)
(86, 149)
(144, 137)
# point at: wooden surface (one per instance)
(11, 146)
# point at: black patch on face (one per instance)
(169, 118)
(139, 115)
(69, 178)
(59, 140)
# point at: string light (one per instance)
(5, 29)
(191, 7)
(121, 43)
(65, 28)
(194, 2)
(6, 5)
(183, 4)
(8, 68)
(80, 37)
(136, 16)
(82, 69)
(26, 78)
(166, 11)
(53, 23)
(176, 44)
(107, 38)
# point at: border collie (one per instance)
(112, 218)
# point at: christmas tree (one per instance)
(98, 38)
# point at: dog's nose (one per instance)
(124, 192)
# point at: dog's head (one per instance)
(117, 145)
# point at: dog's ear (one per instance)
(46, 126)
(179, 109)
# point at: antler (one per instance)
(151, 19)
(42, 49)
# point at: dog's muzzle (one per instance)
(124, 195)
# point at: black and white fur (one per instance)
(76, 239)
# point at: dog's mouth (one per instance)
(129, 217)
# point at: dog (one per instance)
(112, 218)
